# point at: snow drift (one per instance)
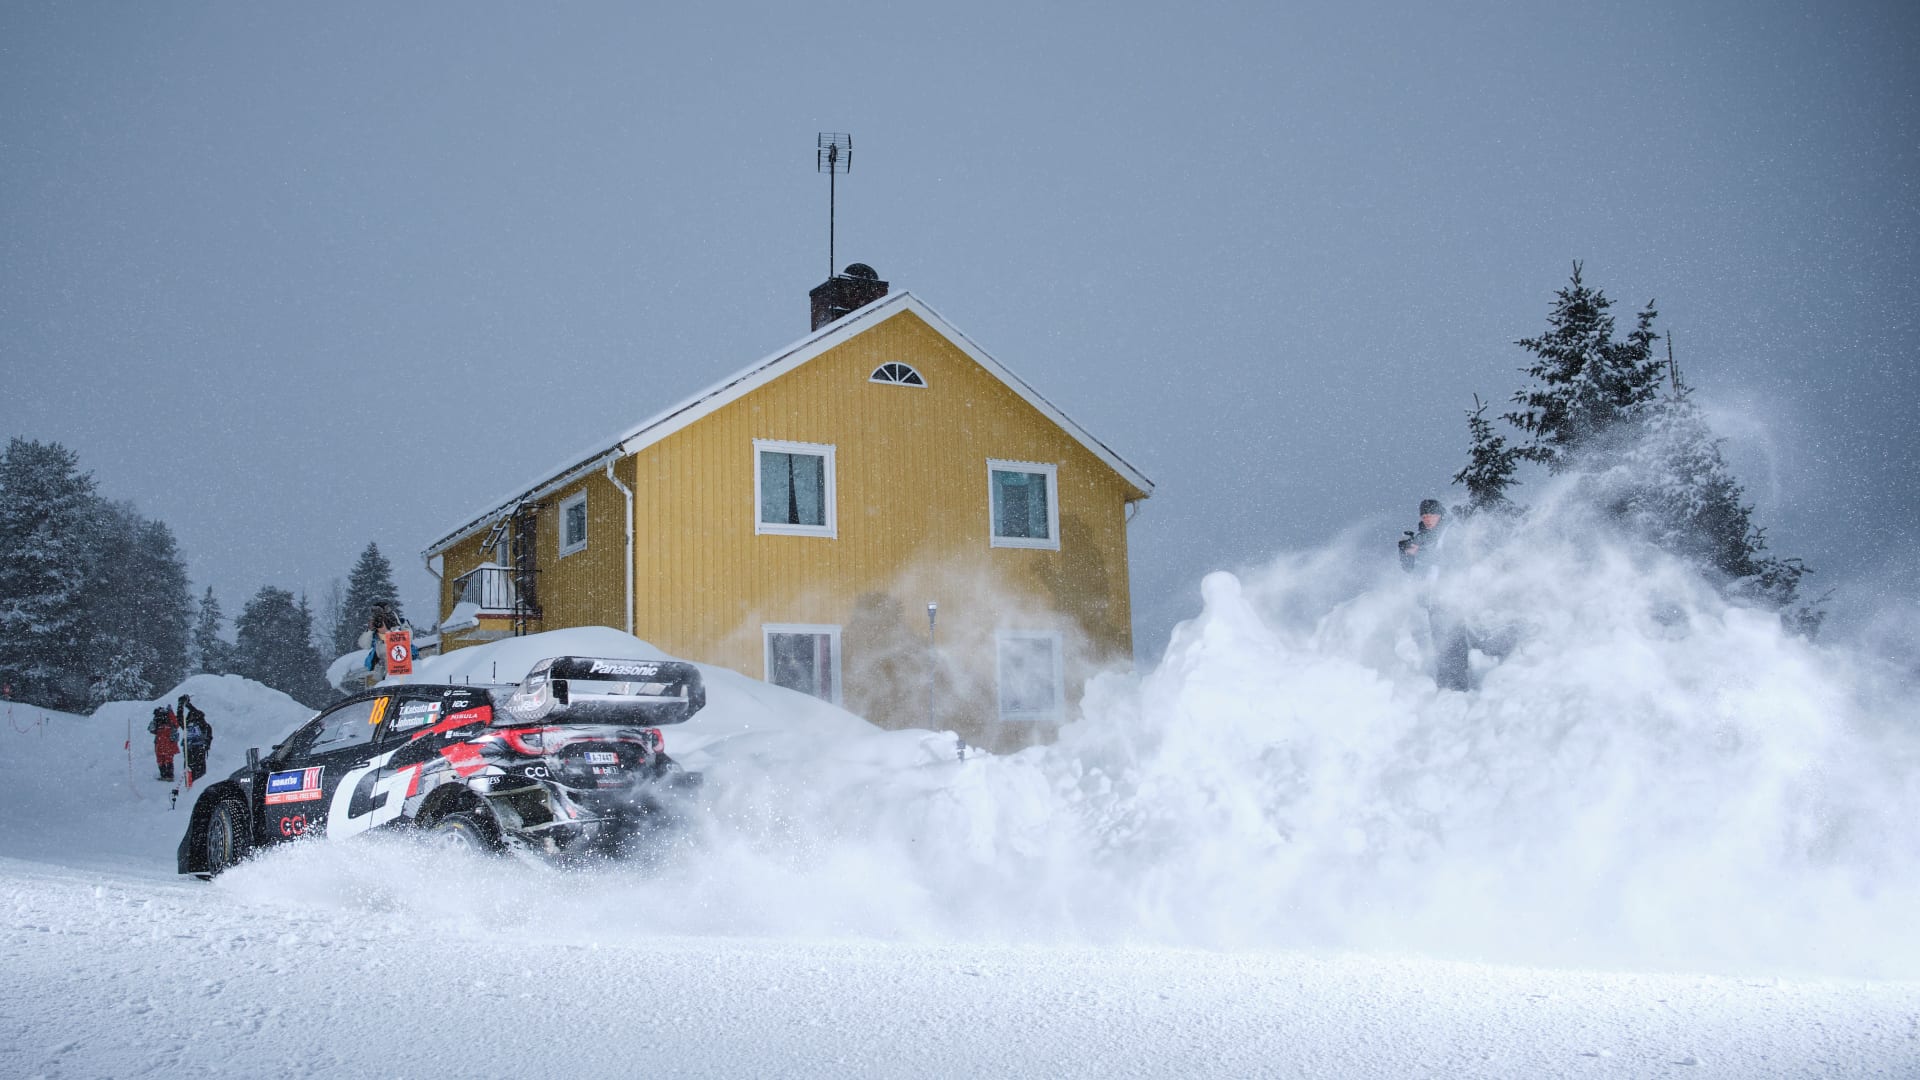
(1645, 776)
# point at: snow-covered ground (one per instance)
(1662, 838)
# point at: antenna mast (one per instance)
(833, 157)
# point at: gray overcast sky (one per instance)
(295, 277)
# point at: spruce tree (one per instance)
(370, 582)
(273, 644)
(136, 601)
(45, 505)
(1678, 492)
(119, 672)
(1589, 388)
(211, 653)
(1681, 494)
(1490, 464)
(1596, 408)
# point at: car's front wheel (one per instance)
(228, 838)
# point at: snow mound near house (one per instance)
(85, 789)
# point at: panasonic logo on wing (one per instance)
(601, 667)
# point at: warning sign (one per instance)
(399, 652)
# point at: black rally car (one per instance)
(570, 759)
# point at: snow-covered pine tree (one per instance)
(273, 644)
(1589, 388)
(1490, 464)
(370, 582)
(1597, 408)
(45, 502)
(212, 654)
(1679, 492)
(136, 595)
(120, 667)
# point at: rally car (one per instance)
(568, 760)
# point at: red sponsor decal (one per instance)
(465, 758)
(479, 714)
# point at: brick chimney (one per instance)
(855, 288)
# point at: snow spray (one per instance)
(1645, 774)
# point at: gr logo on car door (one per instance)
(372, 795)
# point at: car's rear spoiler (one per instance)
(586, 689)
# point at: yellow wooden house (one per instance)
(880, 514)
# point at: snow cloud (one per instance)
(1645, 775)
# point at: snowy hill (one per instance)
(84, 789)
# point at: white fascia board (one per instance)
(532, 494)
(746, 381)
(1031, 396)
(770, 367)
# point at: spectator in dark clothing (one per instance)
(1421, 552)
(382, 620)
(196, 737)
(164, 727)
(1421, 548)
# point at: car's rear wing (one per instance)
(594, 690)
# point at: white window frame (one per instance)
(1056, 714)
(578, 499)
(824, 450)
(1052, 473)
(901, 368)
(831, 632)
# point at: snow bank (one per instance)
(85, 789)
(1646, 776)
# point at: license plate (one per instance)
(602, 757)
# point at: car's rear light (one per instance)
(658, 740)
(532, 741)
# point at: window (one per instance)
(897, 373)
(804, 658)
(1025, 506)
(1028, 669)
(348, 726)
(793, 488)
(573, 524)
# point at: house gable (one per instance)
(777, 365)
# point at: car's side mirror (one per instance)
(253, 759)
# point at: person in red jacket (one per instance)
(165, 729)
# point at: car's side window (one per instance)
(352, 724)
(294, 746)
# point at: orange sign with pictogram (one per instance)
(399, 652)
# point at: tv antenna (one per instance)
(833, 157)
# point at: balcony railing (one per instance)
(489, 585)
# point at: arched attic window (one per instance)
(897, 373)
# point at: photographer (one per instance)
(1420, 551)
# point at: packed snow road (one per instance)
(131, 974)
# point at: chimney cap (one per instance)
(861, 271)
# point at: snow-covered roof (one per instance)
(758, 374)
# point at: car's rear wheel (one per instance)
(228, 838)
(464, 831)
